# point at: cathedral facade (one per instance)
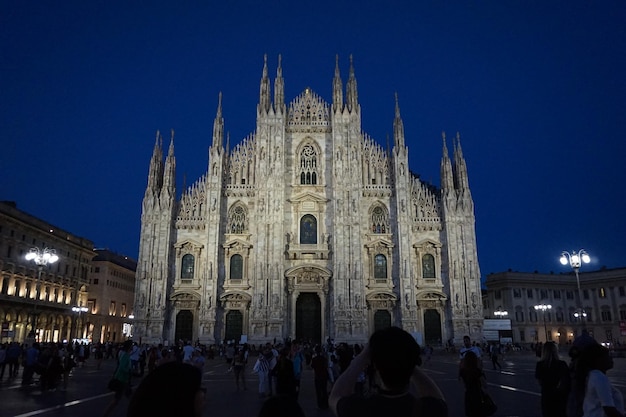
(307, 229)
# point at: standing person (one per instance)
(239, 368)
(272, 358)
(230, 354)
(494, 350)
(153, 358)
(319, 363)
(14, 351)
(30, 362)
(404, 390)
(197, 359)
(188, 352)
(428, 352)
(262, 369)
(3, 357)
(68, 364)
(468, 347)
(297, 357)
(553, 376)
(79, 349)
(120, 383)
(99, 354)
(578, 373)
(602, 399)
(172, 389)
(134, 359)
(285, 378)
(475, 384)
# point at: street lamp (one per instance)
(41, 257)
(575, 261)
(500, 313)
(128, 327)
(544, 308)
(79, 310)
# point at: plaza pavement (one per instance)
(514, 389)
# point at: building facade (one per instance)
(111, 296)
(603, 295)
(307, 229)
(45, 296)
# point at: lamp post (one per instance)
(130, 326)
(575, 261)
(79, 310)
(544, 308)
(499, 313)
(41, 257)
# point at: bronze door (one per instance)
(234, 326)
(432, 327)
(382, 319)
(309, 317)
(184, 325)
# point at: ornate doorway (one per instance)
(184, 325)
(309, 317)
(432, 327)
(234, 326)
(382, 319)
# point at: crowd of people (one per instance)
(580, 388)
(47, 365)
(382, 376)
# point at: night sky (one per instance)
(536, 89)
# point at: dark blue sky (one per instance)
(537, 90)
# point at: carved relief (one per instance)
(381, 301)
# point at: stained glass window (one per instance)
(308, 230)
(428, 266)
(236, 267)
(187, 267)
(380, 267)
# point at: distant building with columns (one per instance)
(603, 294)
(63, 284)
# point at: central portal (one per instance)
(309, 317)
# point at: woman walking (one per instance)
(120, 383)
(262, 369)
(239, 366)
(601, 397)
(285, 377)
(553, 376)
(475, 385)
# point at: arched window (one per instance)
(236, 267)
(308, 165)
(380, 267)
(237, 220)
(428, 266)
(186, 271)
(308, 230)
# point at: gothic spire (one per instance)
(155, 172)
(218, 125)
(398, 128)
(264, 94)
(352, 99)
(279, 88)
(169, 176)
(460, 168)
(447, 181)
(337, 88)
